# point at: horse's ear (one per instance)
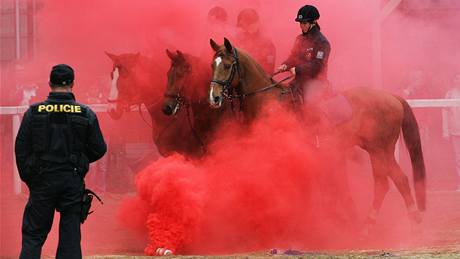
(228, 45)
(180, 54)
(214, 45)
(170, 54)
(113, 57)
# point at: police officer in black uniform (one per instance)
(309, 56)
(57, 140)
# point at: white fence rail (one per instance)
(17, 111)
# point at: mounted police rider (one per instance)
(57, 140)
(308, 60)
(251, 38)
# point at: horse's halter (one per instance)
(228, 89)
(227, 84)
(182, 101)
(179, 98)
(123, 103)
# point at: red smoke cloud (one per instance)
(264, 186)
(80, 37)
(259, 187)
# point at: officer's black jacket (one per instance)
(310, 55)
(57, 135)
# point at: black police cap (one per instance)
(61, 75)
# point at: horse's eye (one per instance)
(227, 66)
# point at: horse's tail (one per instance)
(412, 139)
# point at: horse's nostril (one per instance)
(216, 99)
(167, 110)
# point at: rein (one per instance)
(183, 102)
(142, 115)
(187, 106)
(261, 90)
(227, 84)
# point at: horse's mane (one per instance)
(146, 73)
(200, 75)
(252, 61)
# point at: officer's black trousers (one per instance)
(61, 191)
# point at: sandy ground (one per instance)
(104, 238)
(447, 255)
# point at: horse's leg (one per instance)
(381, 186)
(402, 184)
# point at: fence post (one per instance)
(16, 178)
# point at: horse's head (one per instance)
(226, 74)
(123, 90)
(179, 75)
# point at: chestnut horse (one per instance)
(137, 80)
(375, 125)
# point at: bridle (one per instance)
(127, 105)
(123, 103)
(182, 101)
(229, 91)
(179, 98)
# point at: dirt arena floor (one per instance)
(103, 237)
(99, 242)
(420, 255)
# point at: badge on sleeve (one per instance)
(320, 55)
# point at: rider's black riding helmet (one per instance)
(218, 13)
(307, 13)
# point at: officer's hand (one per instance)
(293, 70)
(282, 68)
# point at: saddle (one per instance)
(321, 111)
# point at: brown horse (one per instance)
(137, 80)
(375, 125)
(186, 92)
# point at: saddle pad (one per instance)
(337, 109)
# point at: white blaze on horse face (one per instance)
(211, 95)
(212, 98)
(218, 61)
(113, 95)
(212, 101)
